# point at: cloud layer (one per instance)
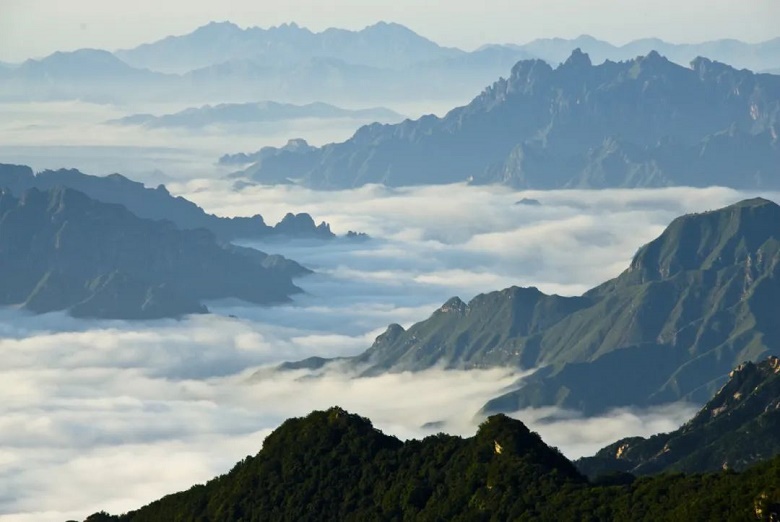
(110, 415)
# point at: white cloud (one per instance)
(110, 415)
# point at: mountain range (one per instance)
(757, 57)
(94, 259)
(693, 304)
(393, 46)
(646, 122)
(221, 62)
(159, 204)
(332, 465)
(736, 429)
(86, 74)
(252, 113)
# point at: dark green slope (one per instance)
(645, 122)
(335, 466)
(693, 304)
(158, 203)
(62, 250)
(737, 428)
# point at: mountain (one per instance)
(298, 145)
(160, 204)
(694, 303)
(643, 123)
(248, 113)
(87, 74)
(93, 259)
(332, 465)
(338, 81)
(756, 57)
(221, 62)
(736, 429)
(392, 45)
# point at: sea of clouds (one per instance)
(113, 414)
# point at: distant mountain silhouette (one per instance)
(249, 113)
(221, 62)
(380, 45)
(643, 123)
(86, 74)
(756, 57)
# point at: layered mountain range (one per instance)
(646, 122)
(159, 204)
(222, 62)
(693, 304)
(66, 251)
(332, 465)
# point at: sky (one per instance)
(34, 28)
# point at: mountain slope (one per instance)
(737, 428)
(645, 122)
(88, 74)
(158, 204)
(701, 298)
(93, 259)
(335, 466)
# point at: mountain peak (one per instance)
(213, 27)
(454, 305)
(731, 235)
(578, 59)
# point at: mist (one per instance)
(113, 414)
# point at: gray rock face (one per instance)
(642, 123)
(736, 429)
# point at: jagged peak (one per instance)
(654, 59)
(770, 365)
(577, 59)
(453, 305)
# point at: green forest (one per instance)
(332, 465)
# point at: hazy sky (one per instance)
(31, 28)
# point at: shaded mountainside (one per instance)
(93, 259)
(736, 429)
(694, 303)
(332, 465)
(158, 204)
(249, 113)
(646, 122)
